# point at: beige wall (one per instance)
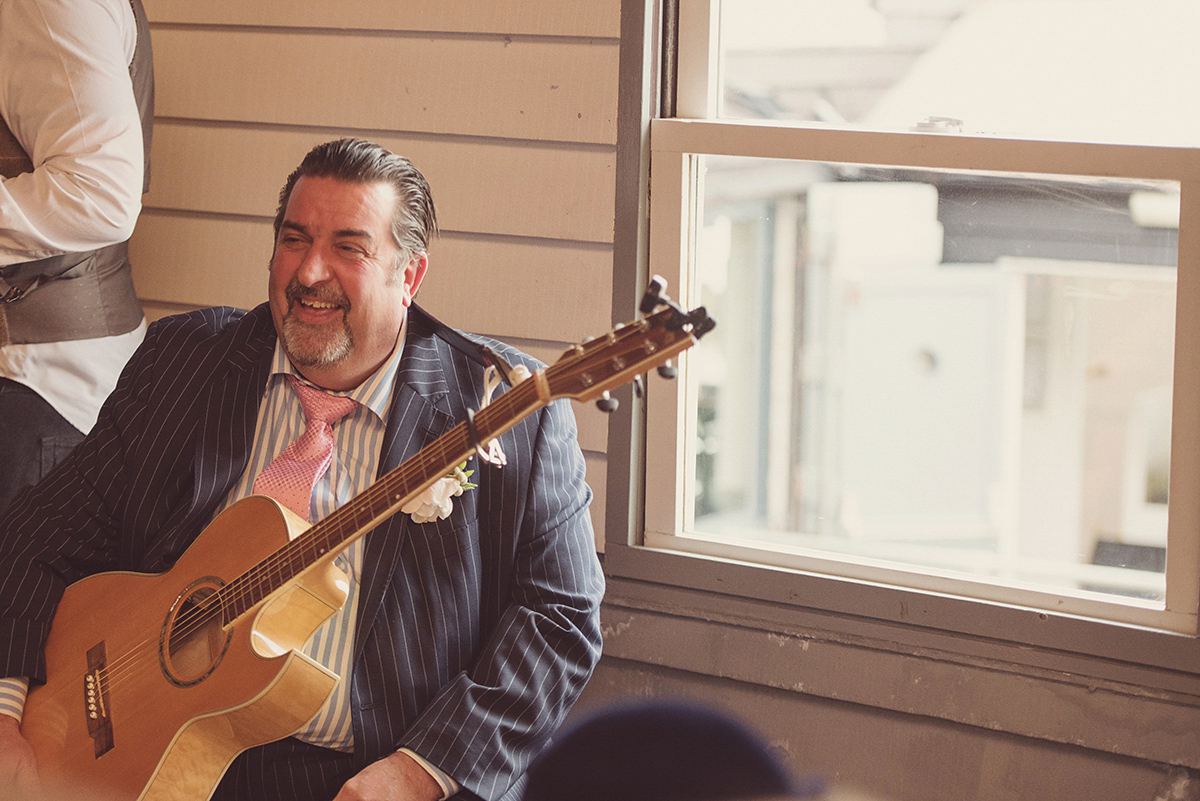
(508, 107)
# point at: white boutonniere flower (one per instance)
(435, 502)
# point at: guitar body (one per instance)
(149, 696)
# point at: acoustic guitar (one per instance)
(156, 682)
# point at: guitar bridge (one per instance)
(95, 700)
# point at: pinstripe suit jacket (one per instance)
(475, 633)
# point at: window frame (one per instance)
(673, 208)
(675, 590)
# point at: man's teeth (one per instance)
(318, 304)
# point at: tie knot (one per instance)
(320, 406)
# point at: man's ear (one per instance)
(413, 273)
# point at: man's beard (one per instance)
(314, 345)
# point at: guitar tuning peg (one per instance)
(653, 296)
(668, 370)
(607, 403)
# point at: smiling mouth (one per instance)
(319, 305)
(314, 299)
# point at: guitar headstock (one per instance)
(590, 369)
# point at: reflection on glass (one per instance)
(961, 372)
(1088, 70)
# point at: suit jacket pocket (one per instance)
(442, 540)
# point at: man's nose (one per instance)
(314, 267)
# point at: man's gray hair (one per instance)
(414, 222)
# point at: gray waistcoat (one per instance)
(76, 295)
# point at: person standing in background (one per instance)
(76, 111)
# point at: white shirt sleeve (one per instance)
(66, 93)
(448, 785)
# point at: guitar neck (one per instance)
(382, 499)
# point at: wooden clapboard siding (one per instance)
(491, 186)
(563, 18)
(508, 106)
(537, 89)
(199, 261)
(554, 292)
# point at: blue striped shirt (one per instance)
(12, 696)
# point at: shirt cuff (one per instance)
(448, 785)
(12, 696)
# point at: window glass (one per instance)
(1121, 71)
(960, 372)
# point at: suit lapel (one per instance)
(418, 415)
(231, 413)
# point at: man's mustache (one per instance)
(327, 294)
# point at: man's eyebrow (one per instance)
(341, 233)
(356, 233)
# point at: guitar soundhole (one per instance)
(193, 637)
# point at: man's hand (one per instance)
(18, 767)
(394, 778)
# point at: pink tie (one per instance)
(290, 478)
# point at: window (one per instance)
(955, 346)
